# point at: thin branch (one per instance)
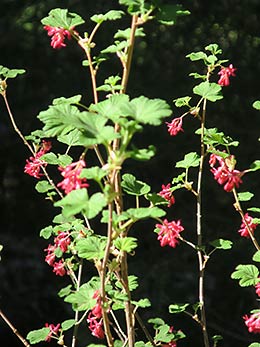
(14, 330)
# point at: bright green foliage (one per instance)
(222, 244)
(82, 299)
(43, 186)
(214, 137)
(197, 56)
(246, 274)
(254, 344)
(142, 303)
(134, 187)
(125, 34)
(46, 232)
(126, 244)
(190, 160)
(134, 6)
(255, 165)
(91, 248)
(61, 18)
(177, 308)
(67, 324)
(71, 100)
(6, 73)
(256, 105)
(144, 212)
(93, 173)
(39, 335)
(168, 14)
(65, 291)
(256, 257)
(110, 15)
(142, 153)
(245, 196)
(183, 101)
(209, 91)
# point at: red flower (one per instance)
(71, 175)
(257, 289)
(59, 268)
(53, 331)
(34, 164)
(225, 73)
(95, 318)
(167, 194)
(169, 233)
(253, 322)
(58, 36)
(244, 229)
(62, 240)
(225, 173)
(50, 257)
(175, 126)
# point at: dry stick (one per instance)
(147, 334)
(202, 261)
(14, 330)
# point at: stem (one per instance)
(146, 332)
(14, 330)
(202, 261)
(103, 278)
(76, 326)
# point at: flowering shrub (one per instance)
(96, 195)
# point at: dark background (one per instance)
(27, 286)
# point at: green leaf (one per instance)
(65, 291)
(134, 187)
(197, 56)
(67, 324)
(143, 303)
(133, 6)
(50, 158)
(245, 196)
(61, 18)
(222, 244)
(142, 154)
(149, 111)
(144, 212)
(39, 335)
(163, 334)
(71, 100)
(254, 344)
(10, 73)
(213, 137)
(64, 160)
(213, 48)
(71, 139)
(256, 257)
(94, 205)
(46, 232)
(94, 173)
(177, 308)
(247, 275)
(255, 165)
(256, 105)
(125, 34)
(43, 186)
(197, 75)
(110, 15)
(156, 322)
(254, 209)
(91, 248)
(190, 160)
(168, 14)
(74, 202)
(127, 244)
(118, 46)
(183, 101)
(82, 299)
(209, 91)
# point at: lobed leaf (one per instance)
(190, 160)
(61, 18)
(10, 73)
(110, 15)
(209, 91)
(245, 196)
(168, 14)
(125, 244)
(246, 274)
(39, 335)
(222, 244)
(134, 187)
(91, 248)
(67, 324)
(177, 308)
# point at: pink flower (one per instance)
(62, 240)
(95, 318)
(257, 289)
(71, 175)
(253, 323)
(167, 194)
(53, 331)
(169, 233)
(225, 73)
(59, 268)
(225, 173)
(34, 164)
(175, 126)
(50, 257)
(244, 229)
(58, 36)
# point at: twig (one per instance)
(14, 330)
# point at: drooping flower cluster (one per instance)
(71, 175)
(248, 221)
(169, 233)
(253, 322)
(175, 126)
(58, 36)
(95, 318)
(62, 241)
(225, 172)
(34, 164)
(167, 194)
(257, 289)
(53, 331)
(225, 74)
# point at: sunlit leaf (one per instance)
(61, 18)
(209, 91)
(39, 335)
(246, 274)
